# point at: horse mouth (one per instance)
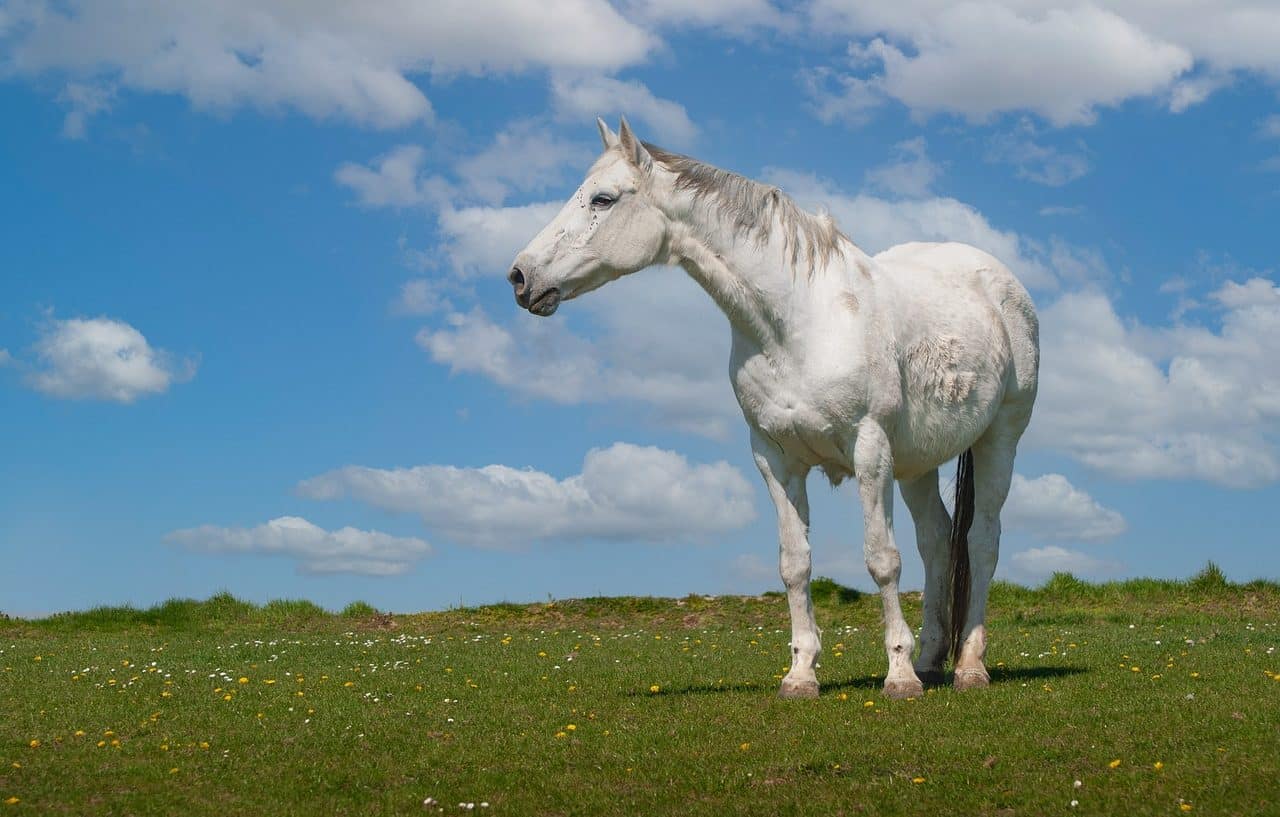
(547, 303)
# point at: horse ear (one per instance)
(608, 137)
(631, 146)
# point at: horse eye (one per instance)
(601, 200)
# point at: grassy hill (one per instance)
(1138, 697)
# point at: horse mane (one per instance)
(754, 208)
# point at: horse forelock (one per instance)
(755, 208)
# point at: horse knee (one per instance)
(795, 572)
(884, 565)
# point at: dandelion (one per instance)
(349, 684)
(572, 727)
(744, 747)
(1157, 765)
(242, 680)
(12, 801)
(917, 780)
(1184, 806)
(844, 696)
(655, 688)
(35, 744)
(562, 734)
(174, 770)
(868, 703)
(1115, 764)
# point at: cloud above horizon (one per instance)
(623, 493)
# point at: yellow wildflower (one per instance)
(35, 744)
(12, 801)
(242, 680)
(1157, 765)
(744, 746)
(1115, 764)
(917, 780)
(655, 688)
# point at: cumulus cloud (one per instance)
(483, 240)
(1049, 507)
(523, 158)
(1036, 162)
(421, 296)
(730, 16)
(390, 180)
(911, 173)
(876, 223)
(678, 381)
(102, 359)
(583, 98)
(1036, 564)
(978, 59)
(347, 550)
(624, 493)
(1177, 402)
(83, 101)
(325, 59)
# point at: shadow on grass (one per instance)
(999, 675)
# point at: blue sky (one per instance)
(255, 333)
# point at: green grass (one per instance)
(644, 706)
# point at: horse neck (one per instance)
(755, 281)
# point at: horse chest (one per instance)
(811, 420)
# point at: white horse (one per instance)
(877, 367)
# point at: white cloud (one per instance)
(1184, 402)
(484, 240)
(1049, 507)
(678, 381)
(732, 16)
(522, 158)
(976, 59)
(876, 224)
(1037, 564)
(102, 359)
(325, 59)
(421, 296)
(6, 359)
(347, 550)
(583, 98)
(1269, 128)
(624, 493)
(912, 173)
(83, 100)
(392, 180)
(1042, 164)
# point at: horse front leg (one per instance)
(786, 482)
(873, 464)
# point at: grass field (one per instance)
(1142, 697)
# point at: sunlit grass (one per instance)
(1140, 697)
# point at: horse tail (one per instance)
(958, 565)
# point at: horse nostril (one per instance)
(516, 277)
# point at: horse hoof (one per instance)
(901, 690)
(931, 677)
(971, 679)
(796, 690)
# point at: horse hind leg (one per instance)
(933, 528)
(992, 473)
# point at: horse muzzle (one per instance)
(544, 304)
